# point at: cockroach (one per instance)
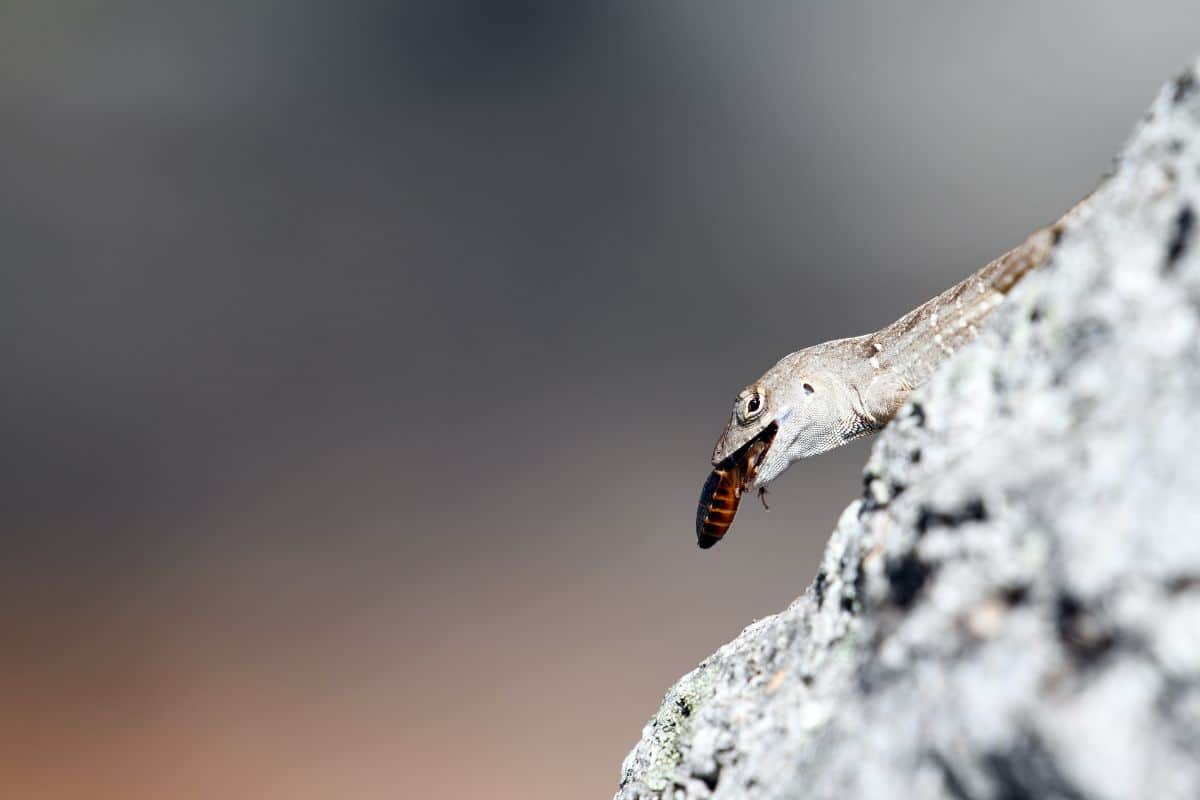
(723, 490)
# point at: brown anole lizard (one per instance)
(824, 396)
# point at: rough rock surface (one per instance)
(1012, 609)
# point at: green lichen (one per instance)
(672, 722)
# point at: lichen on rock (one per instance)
(1012, 608)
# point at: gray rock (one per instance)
(1013, 607)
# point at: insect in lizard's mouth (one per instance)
(723, 490)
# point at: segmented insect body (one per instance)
(718, 503)
(723, 491)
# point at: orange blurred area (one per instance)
(280, 674)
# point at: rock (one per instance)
(1013, 607)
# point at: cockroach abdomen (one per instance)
(718, 504)
(706, 494)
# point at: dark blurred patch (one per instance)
(456, 46)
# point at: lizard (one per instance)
(819, 398)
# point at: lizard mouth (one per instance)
(723, 490)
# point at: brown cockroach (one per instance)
(723, 490)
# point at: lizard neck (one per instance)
(860, 395)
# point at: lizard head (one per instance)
(795, 410)
(800, 404)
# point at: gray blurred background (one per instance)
(362, 360)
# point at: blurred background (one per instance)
(362, 361)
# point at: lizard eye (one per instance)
(750, 407)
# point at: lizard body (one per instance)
(824, 396)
